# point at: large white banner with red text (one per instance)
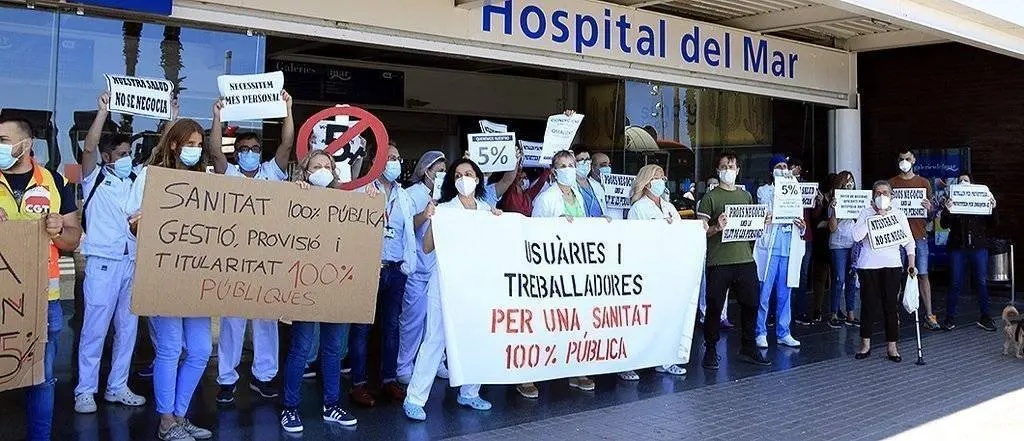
(528, 299)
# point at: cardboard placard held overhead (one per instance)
(252, 97)
(559, 134)
(213, 245)
(492, 127)
(532, 152)
(148, 97)
(493, 152)
(24, 256)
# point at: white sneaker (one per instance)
(442, 372)
(761, 341)
(789, 341)
(126, 397)
(85, 403)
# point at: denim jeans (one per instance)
(958, 260)
(332, 340)
(39, 398)
(389, 307)
(843, 280)
(175, 381)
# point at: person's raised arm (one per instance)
(215, 147)
(92, 139)
(284, 150)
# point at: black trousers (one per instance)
(740, 280)
(879, 296)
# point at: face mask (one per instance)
(392, 171)
(565, 176)
(122, 167)
(248, 161)
(778, 172)
(7, 159)
(605, 170)
(583, 168)
(848, 185)
(190, 155)
(658, 187)
(905, 166)
(883, 202)
(321, 178)
(728, 176)
(965, 182)
(466, 186)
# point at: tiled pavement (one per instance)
(838, 399)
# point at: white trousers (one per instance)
(229, 349)
(411, 323)
(108, 296)
(431, 351)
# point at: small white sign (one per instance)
(970, 199)
(909, 200)
(617, 189)
(493, 152)
(745, 222)
(140, 96)
(849, 203)
(886, 231)
(532, 154)
(559, 134)
(787, 201)
(809, 191)
(492, 127)
(252, 97)
(437, 185)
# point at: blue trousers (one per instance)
(389, 307)
(175, 382)
(332, 337)
(39, 398)
(958, 261)
(775, 278)
(843, 280)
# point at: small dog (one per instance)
(1013, 326)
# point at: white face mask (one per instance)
(566, 176)
(466, 185)
(883, 202)
(728, 177)
(778, 172)
(322, 177)
(905, 166)
(965, 182)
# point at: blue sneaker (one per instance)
(290, 421)
(475, 403)
(336, 414)
(414, 412)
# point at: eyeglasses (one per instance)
(249, 148)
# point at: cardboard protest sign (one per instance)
(617, 189)
(586, 298)
(909, 200)
(886, 231)
(787, 201)
(809, 192)
(221, 246)
(140, 96)
(559, 134)
(849, 203)
(532, 152)
(492, 127)
(252, 97)
(970, 199)
(493, 152)
(745, 222)
(24, 255)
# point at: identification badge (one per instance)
(389, 233)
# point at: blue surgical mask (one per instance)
(190, 155)
(583, 168)
(122, 168)
(249, 160)
(565, 176)
(605, 170)
(392, 171)
(7, 158)
(658, 187)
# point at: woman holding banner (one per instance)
(883, 231)
(841, 245)
(968, 244)
(316, 169)
(463, 188)
(649, 203)
(174, 383)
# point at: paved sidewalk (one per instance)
(838, 399)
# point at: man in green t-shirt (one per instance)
(730, 267)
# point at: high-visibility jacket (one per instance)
(40, 195)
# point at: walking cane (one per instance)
(920, 354)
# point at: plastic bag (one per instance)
(911, 295)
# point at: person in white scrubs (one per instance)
(249, 151)
(414, 304)
(650, 202)
(463, 188)
(109, 249)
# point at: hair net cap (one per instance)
(426, 161)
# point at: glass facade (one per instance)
(54, 65)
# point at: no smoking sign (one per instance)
(365, 121)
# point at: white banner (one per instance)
(849, 203)
(745, 222)
(970, 199)
(492, 127)
(886, 231)
(555, 299)
(252, 97)
(559, 134)
(617, 190)
(140, 96)
(809, 191)
(533, 154)
(787, 202)
(909, 200)
(493, 152)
